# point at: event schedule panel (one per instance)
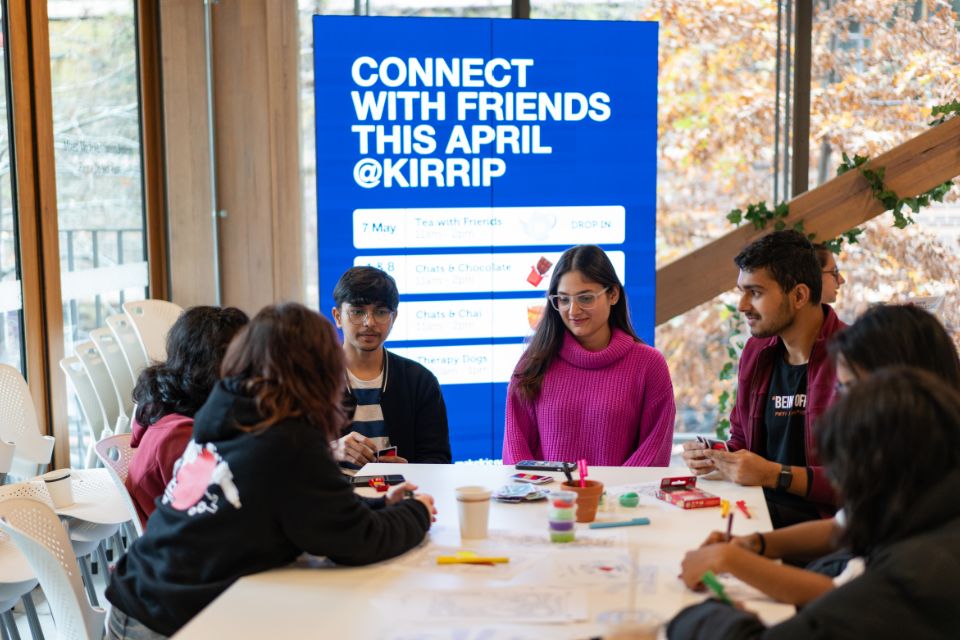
(463, 156)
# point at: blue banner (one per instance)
(463, 156)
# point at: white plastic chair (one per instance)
(99, 376)
(115, 453)
(152, 320)
(93, 414)
(6, 458)
(120, 375)
(129, 343)
(19, 425)
(37, 532)
(17, 578)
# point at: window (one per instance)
(96, 120)
(11, 304)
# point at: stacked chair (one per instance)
(104, 370)
(35, 545)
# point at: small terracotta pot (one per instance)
(588, 498)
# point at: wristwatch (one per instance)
(785, 477)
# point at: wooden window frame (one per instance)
(34, 186)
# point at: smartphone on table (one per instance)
(363, 481)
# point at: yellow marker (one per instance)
(470, 560)
(724, 508)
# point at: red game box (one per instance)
(682, 491)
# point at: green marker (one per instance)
(714, 585)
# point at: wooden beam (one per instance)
(187, 169)
(151, 131)
(27, 202)
(915, 166)
(800, 173)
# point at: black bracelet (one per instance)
(763, 544)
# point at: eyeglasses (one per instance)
(841, 388)
(834, 272)
(584, 300)
(380, 315)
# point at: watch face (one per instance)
(783, 480)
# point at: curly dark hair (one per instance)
(289, 359)
(788, 257)
(591, 261)
(195, 347)
(886, 441)
(887, 335)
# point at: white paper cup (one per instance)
(473, 505)
(59, 487)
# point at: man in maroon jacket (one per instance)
(785, 382)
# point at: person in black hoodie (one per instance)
(891, 448)
(257, 485)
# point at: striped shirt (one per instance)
(368, 418)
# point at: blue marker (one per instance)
(624, 523)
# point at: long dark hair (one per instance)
(892, 436)
(898, 334)
(290, 361)
(195, 347)
(593, 263)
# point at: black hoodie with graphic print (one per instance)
(241, 503)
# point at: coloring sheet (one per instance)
(541, 605)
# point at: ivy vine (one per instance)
(945, 111)
(901, 208)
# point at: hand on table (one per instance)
(393, 459)
(694, 454)
(744, 467)
(399, 492)
(355, 448)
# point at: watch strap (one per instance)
(785, 478)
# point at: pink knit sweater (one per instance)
(613, 407)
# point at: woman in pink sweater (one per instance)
(587, 386)
(170, 392)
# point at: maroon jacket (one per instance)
(151, 468)
(753, 385)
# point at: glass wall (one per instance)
(96, 120)
(11, 305)
(309, 8)
(878, 67)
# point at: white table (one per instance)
(410, 597)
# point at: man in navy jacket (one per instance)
(395, 401)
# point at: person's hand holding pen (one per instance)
(712, 557)
(406, 491)
(750, 542)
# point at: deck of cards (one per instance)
(520, 493)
